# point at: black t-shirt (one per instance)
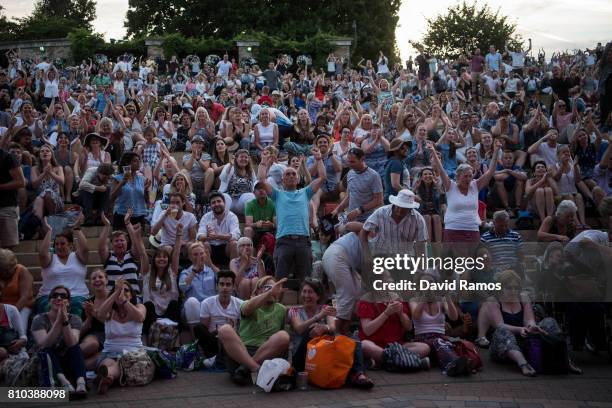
(8, 198)
(561, 88)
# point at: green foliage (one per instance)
(79, 12)
(84, 44)
(177, 44)
(285, 19)
(51, 19)
(8, 29)
(466, 26)
(37, 28)
(134, 46)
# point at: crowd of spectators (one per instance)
(248, 181)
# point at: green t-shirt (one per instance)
(259, 213)
(257, 328)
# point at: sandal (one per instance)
(361, 381)
(104, 381)
(527, 370)
(482, 342)
(573, 369)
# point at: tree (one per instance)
(8, 28)
(466, 26)
(375, 20)
(79, 12)
(84, 44)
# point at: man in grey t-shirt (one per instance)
(272, 76)
(364, 188)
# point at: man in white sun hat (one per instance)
(394, 228)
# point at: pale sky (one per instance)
(552, 25)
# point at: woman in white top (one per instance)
(342, 147)
(160, 289)
(363, 129)
(429, 314)
(119, 87)
(51, 82)
(67, 266)
(461, 220)
(123, 331)
(266, 132)
(567, 175)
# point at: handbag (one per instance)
(329, 360)
(467, 349)
(548, 353)
(136, 368)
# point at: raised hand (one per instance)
(105, 220)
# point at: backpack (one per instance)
(329, 360)
(467, 349)
(525, 220)
(136, 368)
(163, 336)
(165, 363)
(397, 359)
(548, 354)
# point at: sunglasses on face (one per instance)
(58, 295)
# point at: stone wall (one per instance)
(53, 48)
(154, 48)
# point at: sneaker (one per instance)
(425, 363)
(242, 376)
(210, 362)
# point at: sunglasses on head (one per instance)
(59, 295)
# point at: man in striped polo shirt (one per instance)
(505, 245)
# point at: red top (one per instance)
(391, 330)
(265, 100)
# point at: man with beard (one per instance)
(219, 230)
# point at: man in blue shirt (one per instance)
(493, 59)
(292, 250)
(197, 282)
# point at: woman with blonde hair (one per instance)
(511, 316)
(301, 136)
(204, 127)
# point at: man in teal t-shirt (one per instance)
(292, 250)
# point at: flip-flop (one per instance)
(530, 373)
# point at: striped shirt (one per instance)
(503, 248)
(395, 238)
(128, 270)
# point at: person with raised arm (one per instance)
(66, 266)
(293, 249)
